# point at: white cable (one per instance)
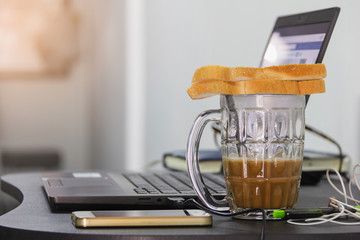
(338, 202)
(353, 177)
(344, 207)
(342, 185)
(354, 215)
(343, 193)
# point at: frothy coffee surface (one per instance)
(269, 184)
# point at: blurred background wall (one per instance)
(124, 101)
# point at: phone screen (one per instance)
(135, 213)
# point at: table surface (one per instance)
(32, 219)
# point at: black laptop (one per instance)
(295, 39)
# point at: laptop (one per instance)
(295, 39)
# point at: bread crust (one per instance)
(210, 88)
(282, 72)
(300, 79)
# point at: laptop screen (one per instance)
(295, 44)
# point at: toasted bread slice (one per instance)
(296, 72)
(210, 88)
(282, 72)
(301, 79)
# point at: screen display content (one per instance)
(295, 45)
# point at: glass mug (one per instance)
(262, 144)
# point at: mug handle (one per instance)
(192, 160)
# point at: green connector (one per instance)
(279, 214)
(358, 207)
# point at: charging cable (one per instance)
(344, 209)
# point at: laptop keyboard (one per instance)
(173, 183)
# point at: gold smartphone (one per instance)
(142, 218)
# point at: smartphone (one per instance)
(143, 218)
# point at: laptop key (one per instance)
(169, 191)
(212, 182)
(158, 183)
(140, 191)
(183, 178)
(136, 180)
(175, 183)
(153, 191)
(141, 183)
(190, 192)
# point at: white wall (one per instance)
(50, 113)
(107, 97)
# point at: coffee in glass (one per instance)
(262, 142)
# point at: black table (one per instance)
(32, 219)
